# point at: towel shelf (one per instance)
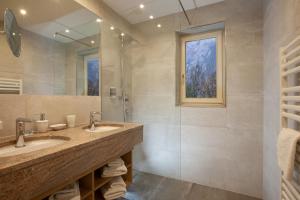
(91, 182)
(290, 108)
(101, 181)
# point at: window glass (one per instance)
(202, 81)
(200, 68)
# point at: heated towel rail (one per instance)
(11, 86)
(290, 108)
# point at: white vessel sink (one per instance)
(31, 145)
(103, 128)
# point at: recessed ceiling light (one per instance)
(142, 6)
(112, 28)
(67, 31)
(158, 25)
(92, 42)
(23, 11)
(122, 34)
(98, 20)
(151, 17)
(13, 33)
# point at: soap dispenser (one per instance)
(42, 124)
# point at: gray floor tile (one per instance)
(152, 187)
(199, 192)
(143, 187)
(172, 189)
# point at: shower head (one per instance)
(128, 40)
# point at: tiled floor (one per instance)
(152, 187)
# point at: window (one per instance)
(91, 63)
(202, 72)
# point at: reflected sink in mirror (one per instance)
(32, 144)
(103, 128)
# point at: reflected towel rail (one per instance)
(11, 86)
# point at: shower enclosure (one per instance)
(138, 85)
(216, 146)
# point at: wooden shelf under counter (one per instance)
(91, 182)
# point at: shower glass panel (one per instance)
(138, 85)
(111, 51)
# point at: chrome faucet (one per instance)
(20, 131)
(93, 120)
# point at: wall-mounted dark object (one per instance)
(12, 32)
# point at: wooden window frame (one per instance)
(219, 101)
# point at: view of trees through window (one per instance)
(200, 68)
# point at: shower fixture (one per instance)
(202, 28)
(78, 41)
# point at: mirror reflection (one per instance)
(60, 49)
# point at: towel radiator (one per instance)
(11, 86)
(290, 108)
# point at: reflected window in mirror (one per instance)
(91, 63)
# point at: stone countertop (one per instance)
(79, 139)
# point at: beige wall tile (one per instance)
(11, 107)
(281, 24)
(212, 140)
(55, 107)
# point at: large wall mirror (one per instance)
(60, 52)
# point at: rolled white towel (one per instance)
(65, 198)
(117, 182)
(116, 188)
(116, 163)
(113, 194)
(114, 171)
(71, 192)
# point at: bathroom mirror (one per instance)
(11, 30)
(60, 47)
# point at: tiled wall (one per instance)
(281, 24)
(55, 107)
(218, 147)
(41, 64)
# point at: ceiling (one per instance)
(81, 24)
(129, 9)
